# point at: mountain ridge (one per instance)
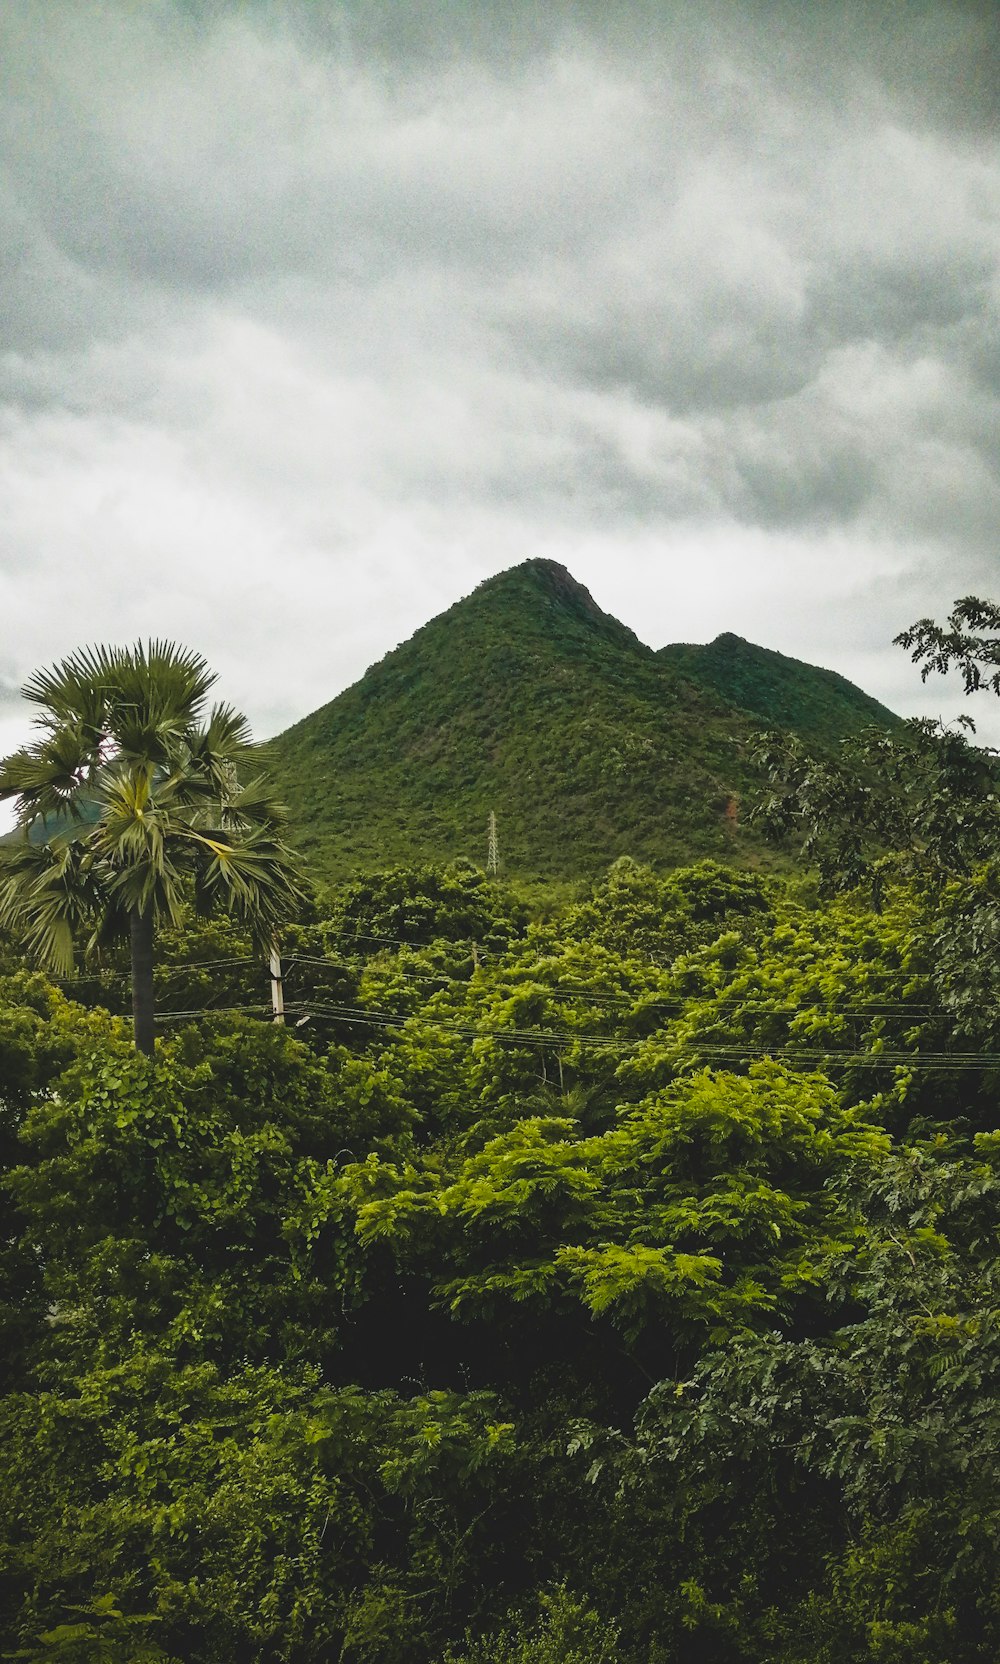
(781, 691)
(526, 698)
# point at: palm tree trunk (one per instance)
(142, 981)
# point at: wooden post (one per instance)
(277, 990)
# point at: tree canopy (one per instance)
(625, 1290)
(129, 803)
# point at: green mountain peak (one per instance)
(527, 699)
(778, 690)
(535, 600)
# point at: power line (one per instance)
(391, 1019)
(208, 1011)
(939, 1062)
(408, 941)
(164, 966)
(678, 1003)
(636, 1003)
(316, 959)
(394, 941)
(449, 941)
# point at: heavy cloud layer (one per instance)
(317, 314)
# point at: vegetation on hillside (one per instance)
(781, 692)
(528, 700)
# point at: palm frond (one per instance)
(145, 846)
(136, 792)
(257, 877)
(76, 689)
(112, 926)
(50, 894)
(131, 828)
(227, 732)
(50, 777)
(156, 702)
(216, 750)
(149, 735)
(149, 886)
(160, 681)
(254, 805)
(186, 790)
(140, 700)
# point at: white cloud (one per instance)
(312, 328)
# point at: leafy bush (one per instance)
(629, 1293)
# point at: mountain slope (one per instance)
(527, 699)
(782, 692)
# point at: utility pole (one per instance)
(492, 847)
(277, 987)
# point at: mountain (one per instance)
(525, 699)
(781, 692)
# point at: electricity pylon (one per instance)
(492, 847)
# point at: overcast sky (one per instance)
(315, 315)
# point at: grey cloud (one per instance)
(902, 300)
(10, 692)
(941, 55)
(228, 151)
(360, 303)
(244, 158)
(824, 484)
(977, 349)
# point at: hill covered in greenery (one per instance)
(526, 699)
(782, 692)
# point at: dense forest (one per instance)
(570, 1278)
(615, 1285)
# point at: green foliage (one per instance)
(924, 803)
(970, 642)
(705, 1207)
(527, 700)
(167, 1197)
(855, 1473)
(627, 1290)
(634, 910)
(819, 705)
(417, 905)
(257, 1513)
(41, 1035)
(128, 804)
(567, 1631)
(98, 1633)
(964, 949)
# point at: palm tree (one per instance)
(130, 803)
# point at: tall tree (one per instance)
(926, 797)
(970, 642)
(129, 803)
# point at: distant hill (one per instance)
(527, 699)
(782, 692)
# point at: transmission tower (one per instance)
(492, 847)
